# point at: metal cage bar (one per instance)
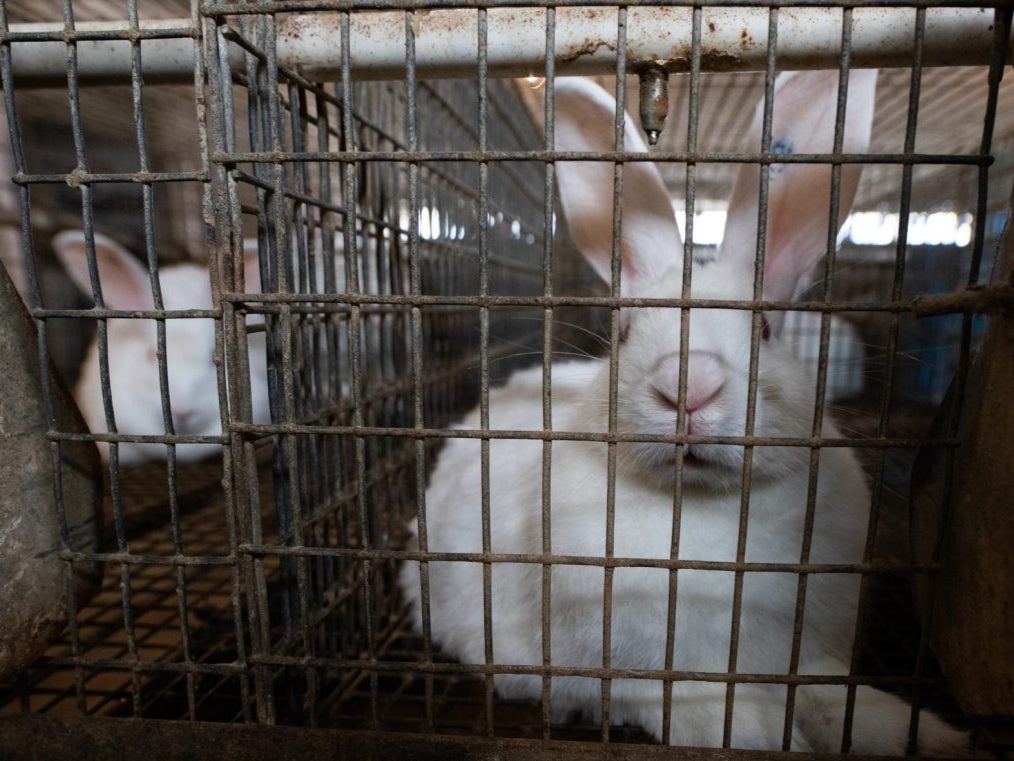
(406, 231)
(959, 33)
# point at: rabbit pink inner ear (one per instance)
(650, 241)
(124, 281)
(799, 195)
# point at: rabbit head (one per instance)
(132, 350)
(651, 266)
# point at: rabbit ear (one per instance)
(125, 283)
(650, 240)
(799, 195)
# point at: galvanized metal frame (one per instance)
(733, 39)
(326, 449)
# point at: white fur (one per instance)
(133, 364)
(648, 363)
(191, 370)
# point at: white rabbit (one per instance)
(133, 364)
(716, 402)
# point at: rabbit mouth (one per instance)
(699, 460)
(695, 461)
(703, 466)
(692, 460)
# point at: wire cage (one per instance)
(371, 192)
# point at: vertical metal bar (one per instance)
(487, 567)
(304, 278)
(818, 409)
(212, 72)
(1001, 40)
(263, 118)
(416, 347)
(274, 278)
(755, 336)
(151, 255)
(346, 568)
(286, 456)
(279, 218)
(883, 426)
(87, 210)
(547, 372)
(205, 59)
(614, 340)
(241, 490)
(350, 197)
(693, 119)
(330, 356)
(1001, 43)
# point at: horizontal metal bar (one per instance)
(971, 300)
(901, 159)
(97, 31)
(133, 438)
(257, 303)
(266, 429)
(733, 39)
(80, 177)
(595, 672)
(813, 442)
(252, 300)
(136, 559)
(148, 667)
(125, 314)
(104, 52)
(593, 561)
(448, 668)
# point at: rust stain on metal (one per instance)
(719, 60)
(589, 47)
(712, 59)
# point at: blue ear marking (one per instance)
(781, 147)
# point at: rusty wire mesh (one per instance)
(411, 256)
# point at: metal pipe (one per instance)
(733, 39)
(104, 52)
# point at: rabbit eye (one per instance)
(765, 328)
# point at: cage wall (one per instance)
(393, 305)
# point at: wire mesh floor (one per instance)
(51, 685)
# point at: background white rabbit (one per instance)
(192, 374)
(716, 400)
(133, 363)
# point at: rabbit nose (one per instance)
(181, 416)
(705, 381)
